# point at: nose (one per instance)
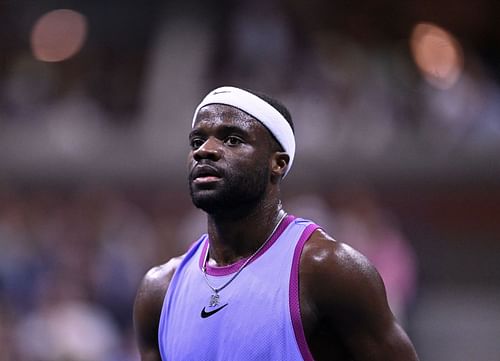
(210, 149)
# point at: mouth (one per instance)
(204, 174)
(206, 180)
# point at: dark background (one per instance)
(93, 149)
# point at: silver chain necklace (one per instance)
(214, 298)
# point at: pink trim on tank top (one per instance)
(294, 294)
(232, 268)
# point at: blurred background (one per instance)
(397, 114)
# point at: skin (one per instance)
(344, 309)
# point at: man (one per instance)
(261, 285)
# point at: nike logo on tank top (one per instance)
(258, 314)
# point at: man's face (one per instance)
(228, 165)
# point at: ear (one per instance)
(279, 164)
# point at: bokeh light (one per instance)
(438, 55)
(58, 35)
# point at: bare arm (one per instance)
(349, 299)
(147, 308)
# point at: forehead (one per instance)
(214, 115)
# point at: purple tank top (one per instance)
(258, 316)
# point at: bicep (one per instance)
(147, 309)
(386, 342)
(368, 327)
(146, 319)
(355, 306)
(150, 355)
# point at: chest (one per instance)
(252, 320)
(257, 316)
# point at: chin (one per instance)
(229, 197)
(213, 208)
(207, 201)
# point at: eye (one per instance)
(195, 143)
(233, 140)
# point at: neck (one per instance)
(239, 235)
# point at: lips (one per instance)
(205, 174)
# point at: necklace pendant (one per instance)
(214, 300)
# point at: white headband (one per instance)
(258, 108)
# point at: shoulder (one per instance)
(149, 302)
(347, 277)
(160, 276)
(154, 284)
(323, 253)
(348, 300)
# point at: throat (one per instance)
(225, 261)
(243, 243)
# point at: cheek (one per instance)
(249, 166)
(246, 157)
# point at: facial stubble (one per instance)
(239, 190)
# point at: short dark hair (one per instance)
(276, 105)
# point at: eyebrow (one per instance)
(221, 130)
